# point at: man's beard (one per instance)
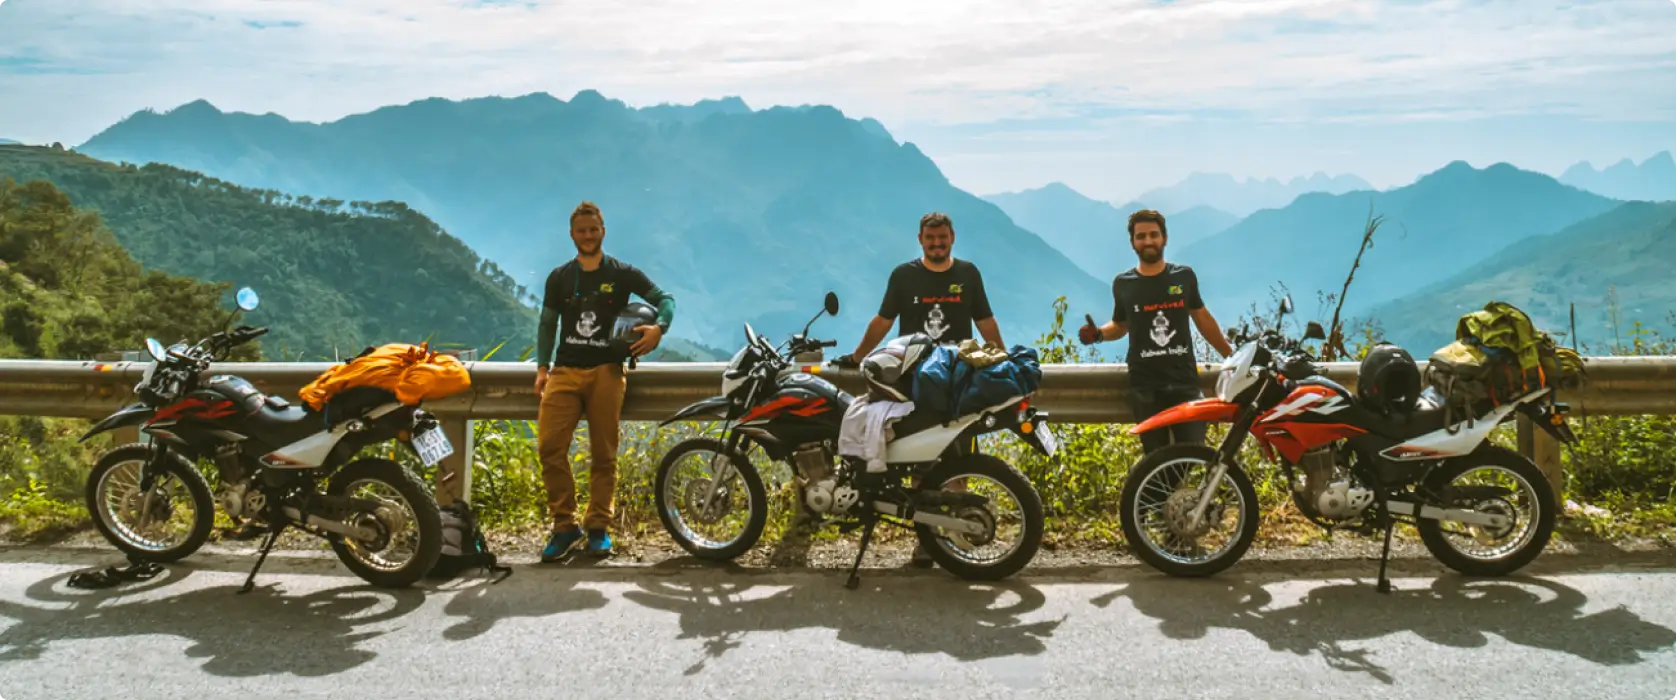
(1150, 254)
(937, 256)
(587, 248)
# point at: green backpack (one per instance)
(1499, 355)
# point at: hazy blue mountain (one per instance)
(746, 215)
(1241, 197)
(6, 141)
(1093, 233)
(1653, 180)
(1446, 222)
(1629, 250)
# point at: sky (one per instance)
(1109, 97)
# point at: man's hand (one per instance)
(540, 381)
(846, 361)
(1089, 334)
(650, 336)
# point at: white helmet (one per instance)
(889, 370)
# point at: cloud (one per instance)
(978, 64)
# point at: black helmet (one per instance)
(1388, 381)
(623, 333)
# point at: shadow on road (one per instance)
(1454, 611)
(483, 603)
(264, 632)
(912, 615)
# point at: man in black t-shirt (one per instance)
(580, 306)
(1156, 299)
(935, 294)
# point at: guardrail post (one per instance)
(1542, 449)
(453, 474)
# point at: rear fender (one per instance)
(715, 406)
(1211, 409)
(127, 416)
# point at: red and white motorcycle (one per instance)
(1360, 467)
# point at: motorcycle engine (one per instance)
(832, 493)
(813, 462)
(236, 498)
(1327, 490)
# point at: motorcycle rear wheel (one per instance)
(1030, 502)
(1205, 457)
(170, 466)
(425, 514)
(1431, 530)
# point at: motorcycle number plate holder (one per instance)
(1050, 442)
(432, 446)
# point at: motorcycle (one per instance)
(1360, 467)
(270, 457)
(795, 417)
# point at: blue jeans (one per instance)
(1147, 402)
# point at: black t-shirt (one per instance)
(1160, 329)
(942, 305)
(588, 303)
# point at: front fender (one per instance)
(1211, 409)
(716, 406)
(130, 415)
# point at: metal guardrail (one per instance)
(1072, 393)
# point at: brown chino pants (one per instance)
(572, 394)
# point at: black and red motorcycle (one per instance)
(768, 401)
(1362, 466)
(270, 458)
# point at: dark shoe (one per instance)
(599, 543)
(922, 559)
(560, 544)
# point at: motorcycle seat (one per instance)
(285, 425)
(1426, 418)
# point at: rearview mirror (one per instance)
(1314, 332)
(156, 349)
(832, 303)
(247, 299)
(1286, 304)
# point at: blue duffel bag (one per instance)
(951, 388)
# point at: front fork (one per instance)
(1225, 454)
(720, 476)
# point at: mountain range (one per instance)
(1653, 180)
(745, 215)
(1243, 196)
(1623, 256)
(1444, 223)
(1095, 233)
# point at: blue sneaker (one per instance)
(599, 543)
(560, 544)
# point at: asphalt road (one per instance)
(677, 631)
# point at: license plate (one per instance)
(1050, 443)
(432, 446)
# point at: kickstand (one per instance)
(267, 545)
(872, 520)
(1384, 585)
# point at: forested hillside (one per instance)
(330, 280)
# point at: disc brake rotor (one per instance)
(1489, 534)
(1178, 511)
(983, 518)
(722, 504)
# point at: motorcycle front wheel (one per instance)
(407, 521)
(686, 482)
(1177, 548)
(134, 521)
(967, 470)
